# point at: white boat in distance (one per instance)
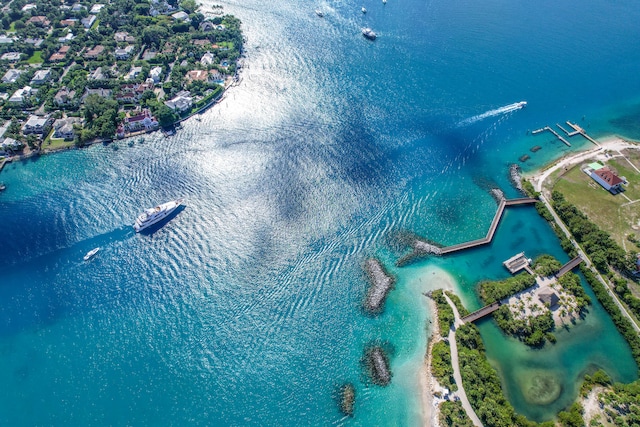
(90, 254)
(154, 215)
(364, 10)
(319, 13)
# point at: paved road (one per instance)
(456, 367)
(589, 263)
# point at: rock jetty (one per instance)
(514, 176)
(377, 363)
(347, 399)
(380, 284)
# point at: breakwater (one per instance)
(377, 365)
(380, 282)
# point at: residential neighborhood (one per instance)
(79, 71)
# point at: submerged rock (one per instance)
(347, 399)
(381, 284)
(377, 363)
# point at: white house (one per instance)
(96, 8)
(41, 77)
(11, 76)
(181, 102)
(88, 21)
(181, 16)
(124, 53)
(607, 179)
(208, 58)
(20, 95)
(156, 74)
(35, 125)
(11, 56)
(63, 128)
(133, 73)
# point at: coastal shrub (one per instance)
(441, 365)
(497, 290)
(622, 323)
(533, 331)
(462, 311)
(452, 414)
(546, 265)
(528, 188)
(572, 417)
(571, 283)
(445, 312)
(482, 383)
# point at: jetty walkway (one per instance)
(569, 266)
(577, 130)
(483, 312)
(492, 229)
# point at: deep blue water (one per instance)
(245, 308)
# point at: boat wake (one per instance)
(492, 113)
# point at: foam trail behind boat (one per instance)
(491, 113)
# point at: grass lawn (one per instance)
(56, 144)
(612, 213)
(36, 58)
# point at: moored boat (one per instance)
(91, 254)
(369, 34)
(319, 13)
(364, 10)
(156, 214)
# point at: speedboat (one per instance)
(364, 10)
(319, 13)
(368, 33)
(156, 214)
(384, 1)
(90, 254)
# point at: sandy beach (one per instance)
(433, 278)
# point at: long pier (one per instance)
(483, 312)
(582, 132)
(492, 229)
(569, 134)
(569, 266)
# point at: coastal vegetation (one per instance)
(609, 258)
(445, 312)
(104, 63)
(452, 414)
(441, 365)
(483, 384)
(532, 330)
(492, 291)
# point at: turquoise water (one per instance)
(245, 309)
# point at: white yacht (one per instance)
(369, 33)
(90, 254)
(319, 13)
(154, 215)
(364, 10)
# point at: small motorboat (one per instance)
(91, 254)
(319, 13)
(364, 10)
(369, 33)
(2, 186)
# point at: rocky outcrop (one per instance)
(380, 284)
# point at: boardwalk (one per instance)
(479, 314)
(492, 229)
(582, 132)
(556, 134)
(569, 266)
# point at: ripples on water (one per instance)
(245, 308)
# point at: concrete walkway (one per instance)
(456, 367)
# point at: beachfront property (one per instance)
(142, 121)
(98, 66)
(64, 128)
(36, 125)
(605, 177)
(181, 102)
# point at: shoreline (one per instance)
(431, 278)
(607, 143)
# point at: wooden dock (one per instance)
(569, 266)
(556, 134)
(492, 229)
(579, 130)
(569, 134)
(483, 312)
